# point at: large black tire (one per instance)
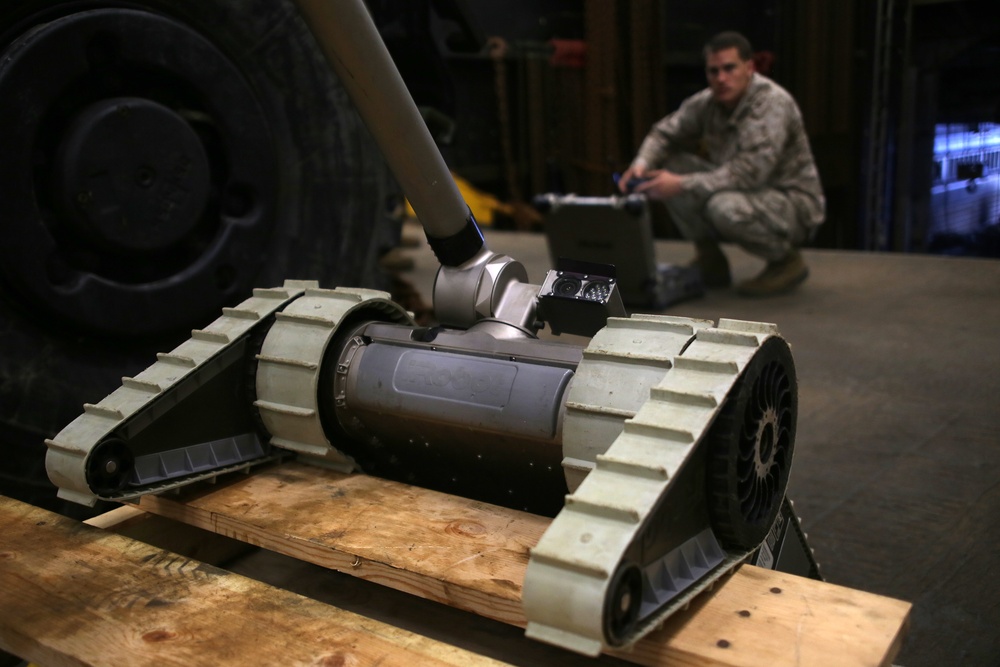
(278, 177)
(750, 448)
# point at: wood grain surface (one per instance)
(445, 548)
(73, 594)
(472, 556)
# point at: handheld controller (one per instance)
(632, 183)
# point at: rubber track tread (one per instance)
(641, 348)
(291, 360)
(68, 450)
(630, 480)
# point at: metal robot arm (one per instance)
(473, 283)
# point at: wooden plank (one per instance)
(763, 617)
(472, 556)
(180, 538)
(72, 594)
(119, 519)
(445, 548)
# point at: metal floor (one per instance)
(897, 466)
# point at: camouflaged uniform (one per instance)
(750, 175)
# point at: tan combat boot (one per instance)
(778, 277)
(713, 265)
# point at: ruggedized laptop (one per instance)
(616, 230)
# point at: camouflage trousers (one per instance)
(764, 222)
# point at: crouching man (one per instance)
(733, 164)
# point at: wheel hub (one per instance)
(764, 441)
(138, 180)
(132, 174)
(764, 449)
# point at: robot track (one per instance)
(631, 546)
(210, 418)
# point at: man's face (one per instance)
(728, 76)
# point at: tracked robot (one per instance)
(662, 448)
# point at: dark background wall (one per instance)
(873, 79)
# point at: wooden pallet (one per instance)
(105, 591)
(72, 594)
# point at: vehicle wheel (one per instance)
(750, 448)
(161, 159)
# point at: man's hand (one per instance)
(637, 170)
(662, 184)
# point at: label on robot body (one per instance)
(455, 378)
(765, 557)
(498, 395)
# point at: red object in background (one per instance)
(568, 53)
(763, 62)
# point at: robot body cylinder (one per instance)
(463, 412)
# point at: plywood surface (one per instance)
(466, 554)
(72, 594)
(472, 556)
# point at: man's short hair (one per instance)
(729, 39)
